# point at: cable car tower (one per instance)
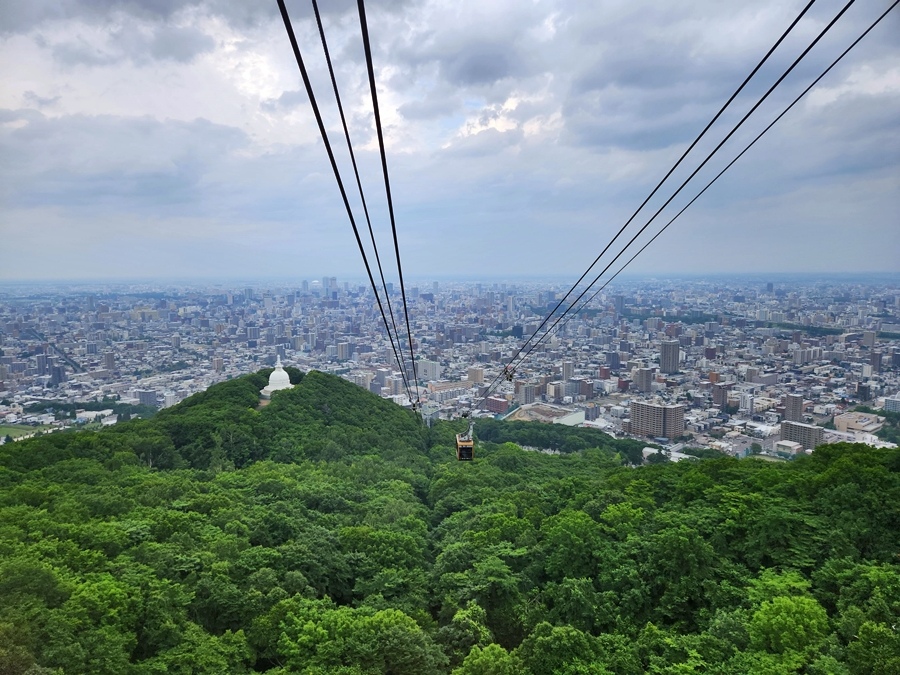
(465, 444)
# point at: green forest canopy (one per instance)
(329, 532)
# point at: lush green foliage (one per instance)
(329, 533)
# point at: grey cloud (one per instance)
(88, 161)
(431, 107)
(287, 101)
(40, 101)
(179, 44)
(484, 143)
(21, 16)
(137, 43)
(480, 64)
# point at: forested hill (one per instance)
(328, 532)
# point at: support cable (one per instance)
(733, 161)
(362, 197)
(387, 183)
(689, 178)
(659, 185)
(312, 99)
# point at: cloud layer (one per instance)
(174, 138)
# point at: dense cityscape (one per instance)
(743, 367)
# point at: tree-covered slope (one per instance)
(329, 533)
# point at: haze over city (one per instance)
(162, 140)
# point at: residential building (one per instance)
(793, 408)
(659, 421)
(807, 435)
(669, 356)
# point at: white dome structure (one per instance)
(279, 379)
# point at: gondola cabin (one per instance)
(465, 445)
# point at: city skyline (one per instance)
(726, 366)
(149, 141)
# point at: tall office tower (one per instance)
(218, 364)
(669, 356)
(875, 360)
(568, 370)
(57, 375)
(42, 367)
(793, 408)
(619, 304)
(344, 351)
(659, 421)
(109, 360)
(807, 435)
(643, 379)
(868, 338)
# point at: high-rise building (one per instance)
(720, 393)
(892, 404)
(669, 356)
(527, 394)
(793, 408)
(868, 339)
(57, 375)
(568, 370)
(476, 375)
(659, 421)
(875, 361)
(344, 351)
(109, 360)
(218, 364)
(807, 435)
(146, 396)
(643, 379)
(428, 370)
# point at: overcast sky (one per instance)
(170, 138)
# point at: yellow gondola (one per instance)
(465, 445)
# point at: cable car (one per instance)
(465, 445)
